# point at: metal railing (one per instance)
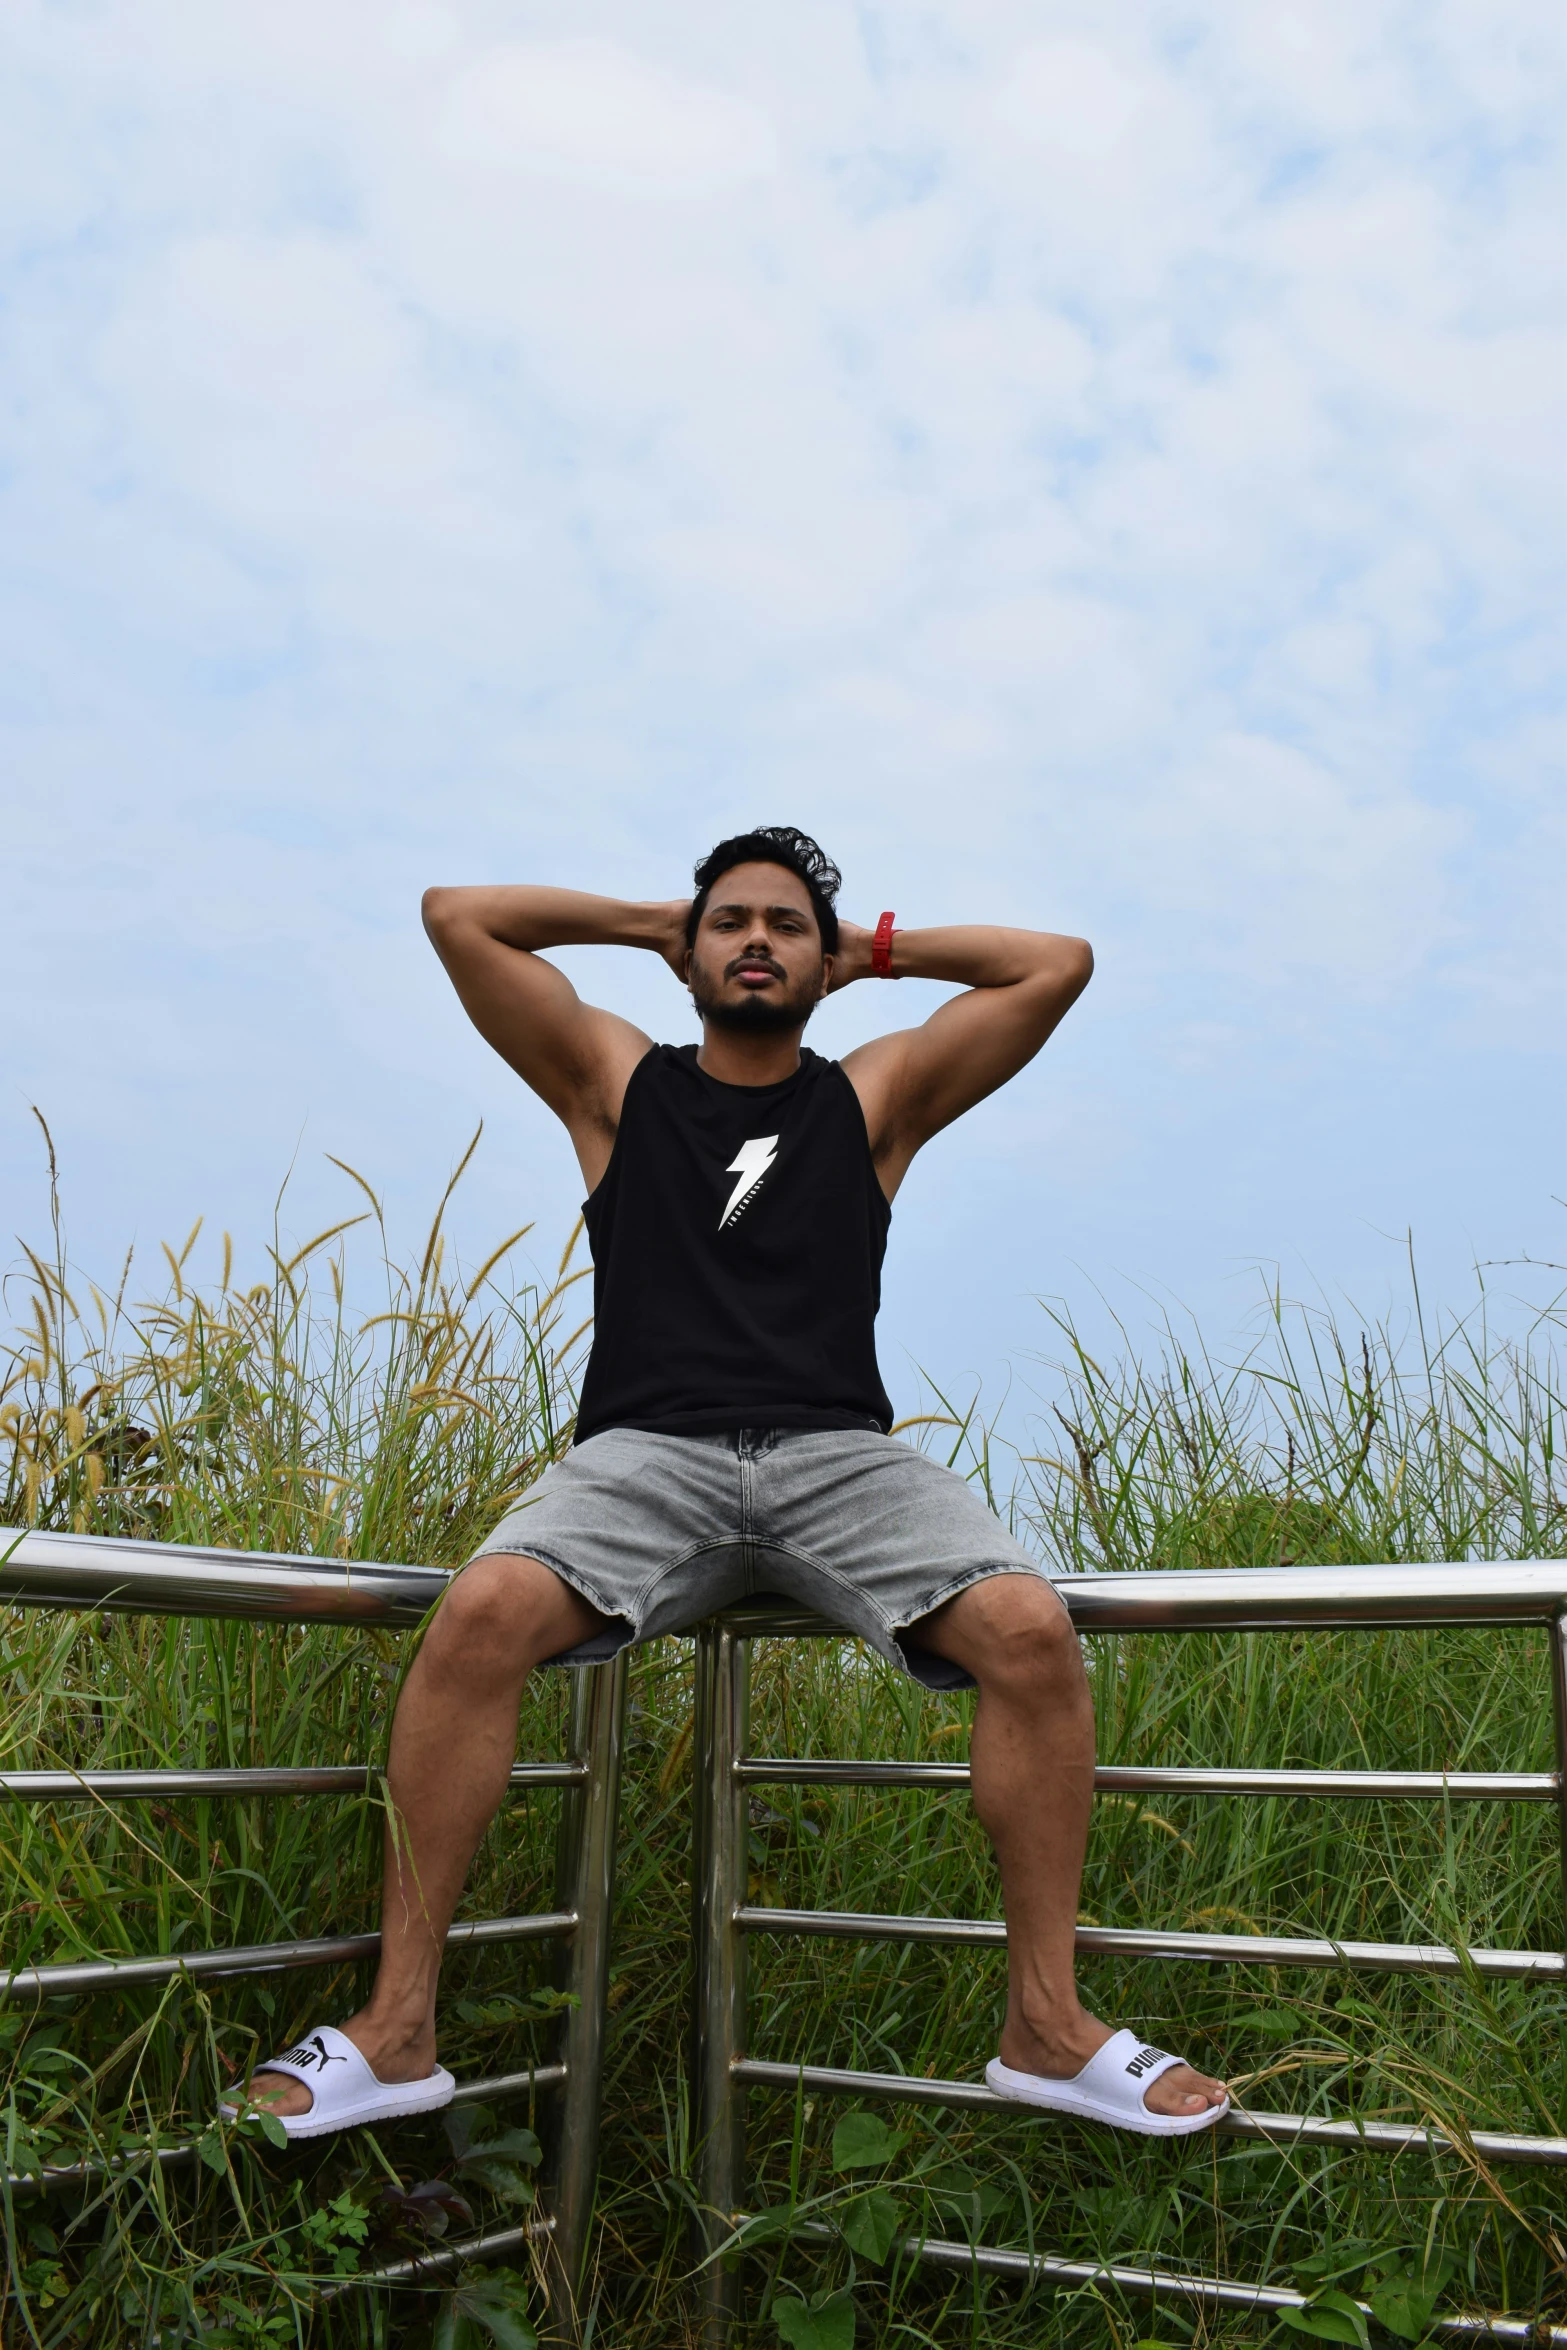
(96, 1573)
(1229, 1599)
(105, 1574)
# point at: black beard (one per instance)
(753, 1015)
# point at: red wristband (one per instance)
(881, 948)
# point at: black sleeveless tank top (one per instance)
(737, 1237)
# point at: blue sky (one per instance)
(1096, 467)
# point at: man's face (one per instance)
(757, 963)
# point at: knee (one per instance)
(483, 1624)
(1032, 1651)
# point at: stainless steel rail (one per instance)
(307, 1779)
(1280, 2129)
(1171, 2284)
(1220, 1599)
(772, 1770)
(169, 1579)
(586, 1880)
(442, 2259)
(261, 1958)
(92, 1573)
(1395, 1958)
(100, 1571)
(54, 2177)
(1263, 1599)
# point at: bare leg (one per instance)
(1032, 1766)
(453, 1742)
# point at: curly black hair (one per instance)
(773, 844)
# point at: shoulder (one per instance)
(874, 1069)
(659, 1064)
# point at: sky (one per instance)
(1096, 467)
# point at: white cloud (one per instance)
(1100, 467)
(592, 110)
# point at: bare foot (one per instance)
(1058, 2054)
(391, 2055)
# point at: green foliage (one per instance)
(271, 1417)
(861, 2141)
(486, 2307)
(872, 2224)
(825, 2322)
(1405, 2290)
(337, 2230)
(1329, 2316)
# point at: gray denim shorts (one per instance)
(658, 1531)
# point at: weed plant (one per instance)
(274, 1417)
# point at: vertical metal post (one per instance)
(584, 1883)
(1559, 1708)
(718, 1888)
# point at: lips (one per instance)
(753, 969)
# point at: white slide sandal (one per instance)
(346, 2098)
(1110, 2088)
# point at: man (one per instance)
(732, 1435)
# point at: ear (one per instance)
(829, 964)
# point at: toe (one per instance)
(1183, 2091)
(279, 2093)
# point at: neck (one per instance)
(737, 1059)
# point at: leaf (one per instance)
(826, 2324)
(1404, 2300)
(1334, 2261)
(1278, 2023)
(1403, 2310)
(262, 2118)
(464, 2124)
(505, 2179)
(430, 2206)
(1328, 2317)
(515, 2145)
(765, 2227)
(498, 2306)
(452, 2329)
(957, 2194)
(211, 2149)
(862, 2140)
(872, 2224)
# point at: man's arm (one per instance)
(1021, 983)
(574, 1056)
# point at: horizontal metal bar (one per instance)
(499, 2245)
(59, 2176)
(1210, 2292)
(323, 1779)
(165, 1578)
(1115, 1778)
(260, 1958)
(56, 2177)
(96, 1571)
(1399, 1958)
(502, 2086)
(1266, 1599)
(1282, 2129)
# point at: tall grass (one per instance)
(273, 1416)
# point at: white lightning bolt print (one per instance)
(750, 1162)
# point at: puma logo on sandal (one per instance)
(313, 2051)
